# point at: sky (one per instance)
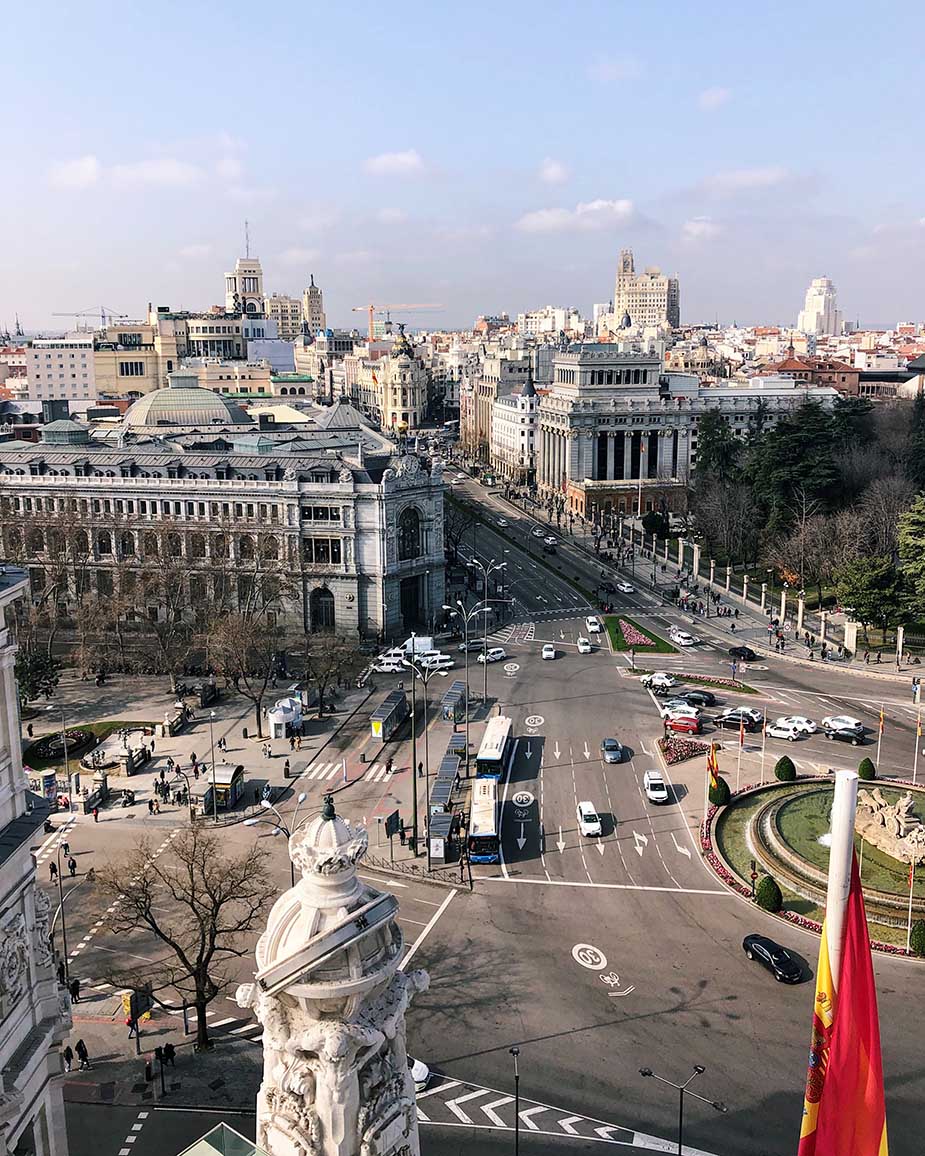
(484, 157)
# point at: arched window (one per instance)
(104, 542)
(219, 546)
(245, 547)
(35, 541)
(197, 545)
(270, 547)
(127, 545)
(81, 543)
(174, 545)
(150, 545)
(321, 609)
(409, 534)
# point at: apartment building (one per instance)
(61, 367)
(286, 312)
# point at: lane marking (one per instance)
(609, 886)
(489, 1110)
(429, 928)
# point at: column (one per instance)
(611, 455)
(728, 578)
(824, 625)
(783, 608)
(695, 562)
(745, 587)
(764, 595)
(712, 570)
(801, 607)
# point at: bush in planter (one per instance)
(785, 770)
(768, 896)
(719, 795)
(917, 938)
(866, 769)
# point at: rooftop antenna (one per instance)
(247, 240)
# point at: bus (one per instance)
(484, 844)
(496, 743)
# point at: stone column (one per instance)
(764, 595)
(667, 541)
(745, 587)
(900, 639)
(695, 562)
(611, 454)
(712, 570)
(801, 609)
(728, 578)
(783, 608)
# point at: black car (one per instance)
(744, 652)
(548, 549)
(845, 735)
(775, 958)
(698, 697)
(732, 722)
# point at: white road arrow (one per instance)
(606, 1133)
(521, 838)
(453, 1105)
(600, 848)
(587, 752)
(640, 839)
(677, 846)
(556, 751)
(529, 751)
(528, 1115)
(560, 842)
(566, 1125)
(489, 1110)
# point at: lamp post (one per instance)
(466, 617)
(280, 826)
(515, 1052)
(67, 765)
(61, 909)
(424, 675)
(487, 570)
(681, 1089)
(212, 750)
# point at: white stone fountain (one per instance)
(332, 1002)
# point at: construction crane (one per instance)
(103, 312)
(372, 310)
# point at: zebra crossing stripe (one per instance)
(335, 770)
(372, 774)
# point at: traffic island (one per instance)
(627, 635)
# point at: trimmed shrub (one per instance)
(768, 896)
(719, 795)
(785, 770)
(866, 769)
(917, 938)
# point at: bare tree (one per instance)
(249, 651)
(196, 900)
(457, 519)
(328, 657)
(881, 505)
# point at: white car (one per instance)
(654, 786)
(549, 540)
(549, 651)
(502, 522)
(494, 654)
(420, 1073)
(626, 588)
(842, 722)
(584, 646)
(538, 533)
(460, 477)
(803, 724)
(781, 729)
(681, 638)
(680, 710)
(388, 666)
(593, 625)
(658, 680)
(436, 662)
(589, 821)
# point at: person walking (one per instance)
(82, 1055)
(66, 847)
(53, 870)
(29, 733)
(74, 989)
(170, 1055)
(867, 658)
(298, 742)
(420, 770)
(132, 1025)
(292, 742)
(68, 1056)
(62, 977)
(72, 866)
(192, 758)
(96, 814)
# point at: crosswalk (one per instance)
(322, 771)
(378, 773)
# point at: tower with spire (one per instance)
(313, 318)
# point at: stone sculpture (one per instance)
(891, 827)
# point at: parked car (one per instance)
(779, 962)
(626, 588)
(658, 680)
(744, 653)
(698, 697)
(549, 651)
(584, 645)
(845, 735)
(684, 724)
(493, 654)
(420, 1074)
(654, 786)
(779, 729)
(589, 821)
(842, 722)
(611, 751)
(801, 722)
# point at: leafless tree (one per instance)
(880, 506)
(249, 650)
(457, 520)
(199, 902)
(326, 658)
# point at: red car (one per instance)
(687, 726)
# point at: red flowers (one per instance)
(676, 750)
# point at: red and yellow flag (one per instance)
(918, 725)
(713, 767)
(881, 720)
(742, 731)
(844, 1110)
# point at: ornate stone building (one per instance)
(34, 1011)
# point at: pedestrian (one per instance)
(150, 806)
(29, 730)
(170, 1055)
(256, 796)
(157, 807)
(420, 770)
(388, 765)
(66, 847)
(96, 814)
(286, 769)
(68, 1056)
(192, 758)
(53, 870)
(401, 831)
(292, 742)
(132, 1025)
(74, 989)
(82, 1054)
(72, 866)
(170, 765)
(879, 658)
(732, 627)
(298, 742)
(867, 658)
(196, 771)
(737, 612)
(62, 977)
(152, 746)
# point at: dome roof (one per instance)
(184, 403)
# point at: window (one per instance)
(131, 369)
(321, 609)
(104, 542)
(409, 535)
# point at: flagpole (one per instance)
(764, 741)
(918, 739)
(739, 765)
(879, 737)
(861, 863)
(909, 920)
(841, 850)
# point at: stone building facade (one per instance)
(513, 436)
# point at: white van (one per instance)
(593, 625)
(436, 661)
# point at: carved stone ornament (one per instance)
(891, 827)
(345, 477)
(14, 959)
(310, 859)
(409, 466)
(289, 474)
(42, 936)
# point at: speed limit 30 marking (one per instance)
(589, 956)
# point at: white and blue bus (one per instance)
(484, 844)
(496, 743)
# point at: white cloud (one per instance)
(298, 256)
(195, 252)
(355, 257)
(315, 218)
(734, 181)
(248, 194)
(161, 172)
(80, 173)
(608, 69)
(395, 164)
(391, 216)
(586, 216)
(713, 98)
(229, 168)
(700, 229)
(553, 172)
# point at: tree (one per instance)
(655, 522)
(872, 588)
(249, 651)
(881, 505)
(36, 674)
(719, 795)
(785, 770)
(911, 541)
(797, 456)
(915, 453)
(917, 937)
(768, 895)
(867, 770)
(200, 903)
(457, 519)
(163, 588)
(328, 657)
(718, 449)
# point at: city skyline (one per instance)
(485, 187)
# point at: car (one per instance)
(607, 587)
(779, 962)
(460, 478)
(538, 532)
(749, 713)
(493, 654)
(698, 697)
(780, 729)
(681, 638)
(801, 722)
(436, 662)
(745, 653)
(549, 540)
(684, 724)
(654, 786)
(845, 735)
(593, 624)
(658, 679)
(626, 588)
(549, 651)
(836, 722)
(584, 645)
(472, 644)
(679, 709)
(548, 549)
(611, 751)
(388, 666)
(502, 522)
(420, 1073)
(589, 821)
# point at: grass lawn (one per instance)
(102, 730)
(657, 645)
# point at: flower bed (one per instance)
(633, 636)
(52, 746)
(707, 680)
(675, 749)
(625, 634)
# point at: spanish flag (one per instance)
(713, 767)
(918, 725)
(844, 1113)
(742, 731)
(881, 720)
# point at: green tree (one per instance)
(914, 463)
(655, 522)
(796, 459)
(768, 895)
(912, 553)
(851, 424)
(36, 674)
(718, 448)
(867, 770)
(785, 770)
(917, 938)
(873, 589)
(719, 795)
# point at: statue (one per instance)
(891, 827)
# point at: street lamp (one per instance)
(67, 766)
(280, 825)
(681, 1089)
(465, 617)
(424, 675)
(487, 570)
(212, 749)
(515, 1052)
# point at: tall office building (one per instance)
(313, 309)
(649, 298)
(286, 312)
(819, 314)
(244, 287)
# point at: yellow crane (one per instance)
(372, 310)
